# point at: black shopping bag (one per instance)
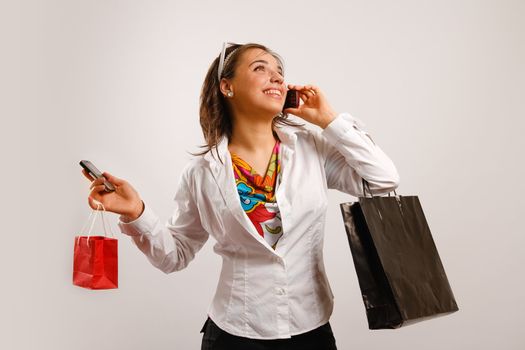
(400, 274)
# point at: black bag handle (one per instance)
(367, 185)
(398, 198)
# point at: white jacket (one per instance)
(264, 293)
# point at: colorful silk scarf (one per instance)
(257, 195)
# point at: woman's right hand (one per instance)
(125, 200)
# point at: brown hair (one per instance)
(215, 117)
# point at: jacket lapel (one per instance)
(225, 180)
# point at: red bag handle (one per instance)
(93, 222)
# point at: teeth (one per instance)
(274, 92)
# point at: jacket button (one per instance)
(281, 291)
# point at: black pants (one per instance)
(215, 338)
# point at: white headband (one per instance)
(224, 60)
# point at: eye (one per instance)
(260, 66)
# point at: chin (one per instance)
(274, 113)
(267, 111)
(273, 108)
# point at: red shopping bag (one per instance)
(95, 260)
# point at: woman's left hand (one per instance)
(315, 108)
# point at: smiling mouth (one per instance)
(273, 93)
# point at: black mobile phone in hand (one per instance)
(95, 173)
(292, 99)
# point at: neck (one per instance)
(252, 134)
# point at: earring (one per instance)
(230, 94)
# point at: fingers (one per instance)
(113, 179)
(94, 204)
(313, 88)
(97, 182)
(86, 174)
(305, 91)
(303, 96)
(91, 203)
(305, 88)
(306, 94)
(97, 188)
(95, 197)
(106, 176)
(292, 110)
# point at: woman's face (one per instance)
(258, 84)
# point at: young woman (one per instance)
(260, 189)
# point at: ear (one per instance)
(225, 86)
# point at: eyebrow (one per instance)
(263, 61)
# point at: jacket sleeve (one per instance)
(169, 247)
(350, 154)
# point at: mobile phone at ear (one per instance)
(95, 173)
(292, 99)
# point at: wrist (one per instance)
(135, 214)
(327, 119)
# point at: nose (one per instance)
(276, 77)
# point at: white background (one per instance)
(439, 85)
